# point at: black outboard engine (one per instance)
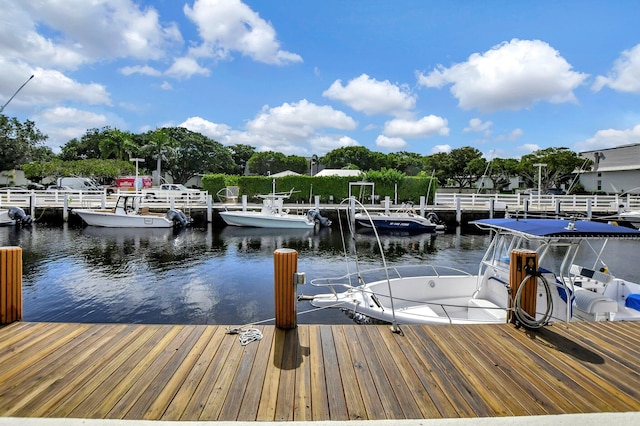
(17, 214)
(318, 218)
(434, 218)
(179, 219)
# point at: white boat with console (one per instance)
(444, 295)
(274, 215)
(128, 213)
(632, 217)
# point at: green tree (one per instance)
(155, 145)
(87, 147)
(462, 168)
(406, 162)
(267, 163)
(358, 156)
(117, 145)
(20, 143)
(241, 154)
(195, 154)
(561, 163)
(297, 164)
(501, 170)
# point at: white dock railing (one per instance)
(546, 202)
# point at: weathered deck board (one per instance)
(316, 372)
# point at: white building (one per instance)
(615, 170)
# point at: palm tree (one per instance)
(117, 144)
(158, 142)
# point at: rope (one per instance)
(246, 336)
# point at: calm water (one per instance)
(210, 276)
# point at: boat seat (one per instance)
(483, 310)
(594, 303)
(590, 274)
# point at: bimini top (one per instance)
(558, 228)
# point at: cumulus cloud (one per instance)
(186, 67)
(529, 148)
(511, 76)
(291, 128)
(516, 134)
(440, 148)
(230, 25)
(428, 126)
(625, 75)
(371, 96)
(215, 131)
(386, 142)
(82, 32)
(140, 69)
(609, 138)
(476, 125)
(61, 124)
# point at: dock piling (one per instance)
(285, 267)
(10, 284)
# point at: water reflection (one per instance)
(206, 276)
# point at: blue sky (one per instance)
(306, 77)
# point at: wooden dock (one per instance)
(316, 372)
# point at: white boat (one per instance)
(444, 295)
(14, 216)
(405, 219)
(129, 214)
(632, 217)
(273, 215)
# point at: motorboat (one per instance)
(128, 213)
(405, 219)
(274, 215)
(14, 216)
(632, 217)
(563, 290)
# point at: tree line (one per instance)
(182, 154)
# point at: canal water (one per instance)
(214, 276)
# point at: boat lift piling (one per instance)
(286, 277)
(10, 284)
(522, 264)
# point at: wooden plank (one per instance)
(404, 379)
(302, 403)
(318, 385)
(353, 396)
(253, 393)
(287, 378)
(335, 388)
(269, 399)
(187, 390)
(365, 367)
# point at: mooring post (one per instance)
(65, 209)
(10, 284)
(285, 263)
(521, 264)
(209, 208)
(422, 204)
(458, 211)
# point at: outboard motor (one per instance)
(318, 218)
(179, 219)
(434, 218)
(17, 214)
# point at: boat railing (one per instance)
(354, 280)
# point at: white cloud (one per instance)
(609, 138)
(61, 124)
(529, 148)
(372, 96)
(625, 75)
(185, 67)
(230, 25)
(390, 143)
(78, 32)
(476, 125)
(511, 76)
(425, 127)
(440, 148)
(140, 69)
(516, 134)
(295, 128)
(215, 131)
(166, 86)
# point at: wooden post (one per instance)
(517, 273)
(10, 284)
(285, 265)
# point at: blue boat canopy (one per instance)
(559, 228)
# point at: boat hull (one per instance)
(409, 223)
(260, 220)
(112, 220)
